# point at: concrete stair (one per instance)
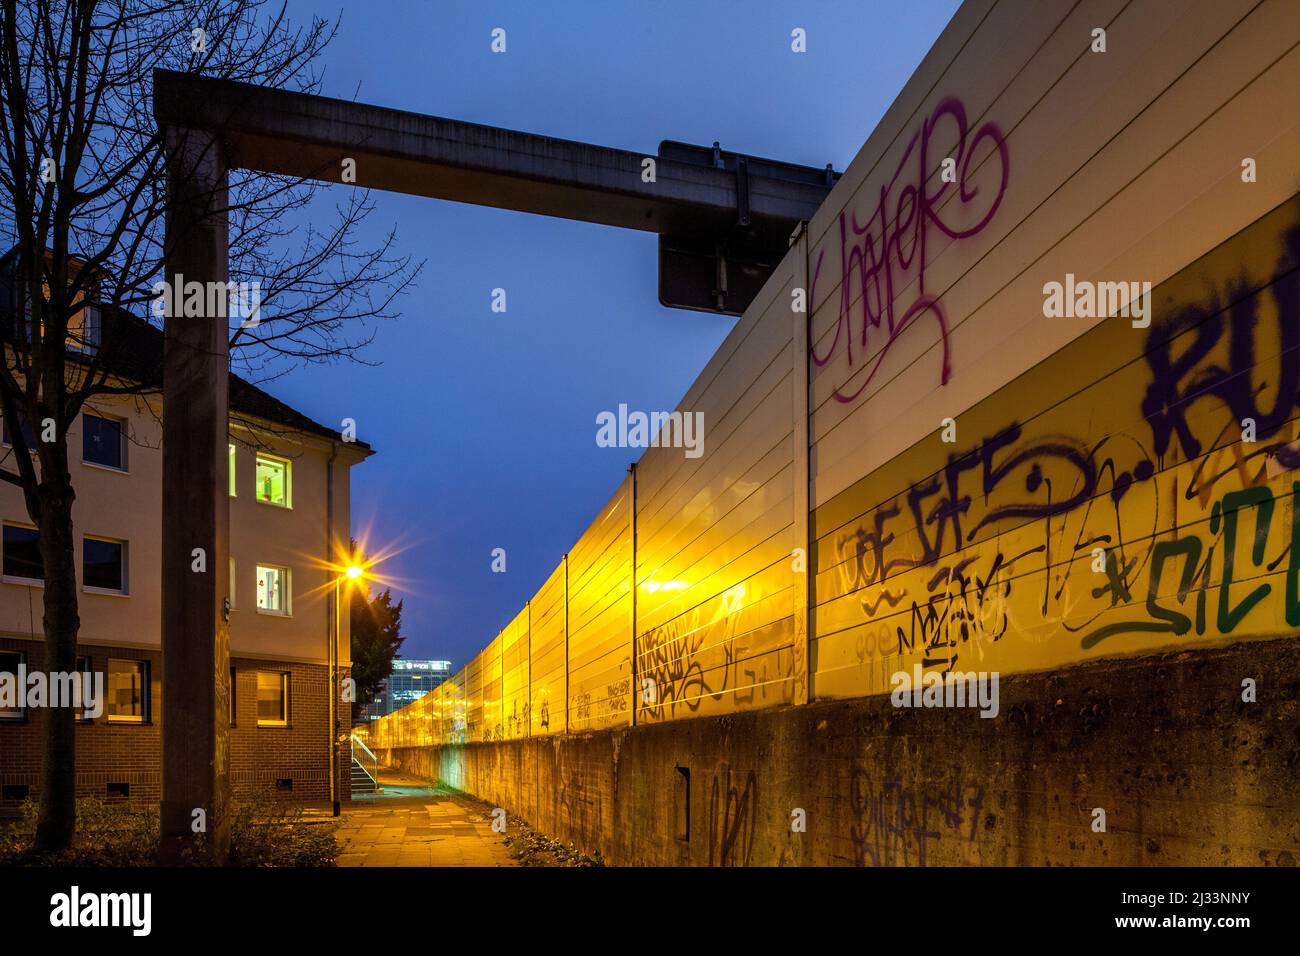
(362, 782)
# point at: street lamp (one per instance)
(352, 572)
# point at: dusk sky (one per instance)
(484, 424)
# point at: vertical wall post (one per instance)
(195, 509)
(528, 609)
(566, 643)
(804, 598)
(631, 479)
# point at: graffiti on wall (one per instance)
(518, 722)
(1169, 509)
(899, 822)
(888, 252)
(732, 816)
(708, 659)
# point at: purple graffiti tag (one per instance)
(888, 249)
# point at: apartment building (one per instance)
(289, 522)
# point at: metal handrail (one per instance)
(358, 742)
(373, 769)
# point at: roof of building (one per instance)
(144, 341)
(136, 350)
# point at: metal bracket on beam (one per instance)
(720, 265)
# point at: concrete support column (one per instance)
(196, 510)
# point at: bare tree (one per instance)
(82, 174)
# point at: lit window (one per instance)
(128, 683)
(9, 664)
(22, 553)
(103, 442)
(272, 699)
(273, 481)
(103, 564)
(273, 589)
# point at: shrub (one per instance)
(268, 832)
(263, 832)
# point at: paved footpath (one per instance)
(413, 824)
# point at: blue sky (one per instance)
(484, 423)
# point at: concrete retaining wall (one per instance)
(1185, 770)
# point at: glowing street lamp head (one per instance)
(354, 566)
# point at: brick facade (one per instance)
(261, 758)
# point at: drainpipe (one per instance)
(333, 628)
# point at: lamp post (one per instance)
(352, 572)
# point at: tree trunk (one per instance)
(56, 824)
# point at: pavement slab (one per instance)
(413, 824)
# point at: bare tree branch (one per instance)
(83, 210)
